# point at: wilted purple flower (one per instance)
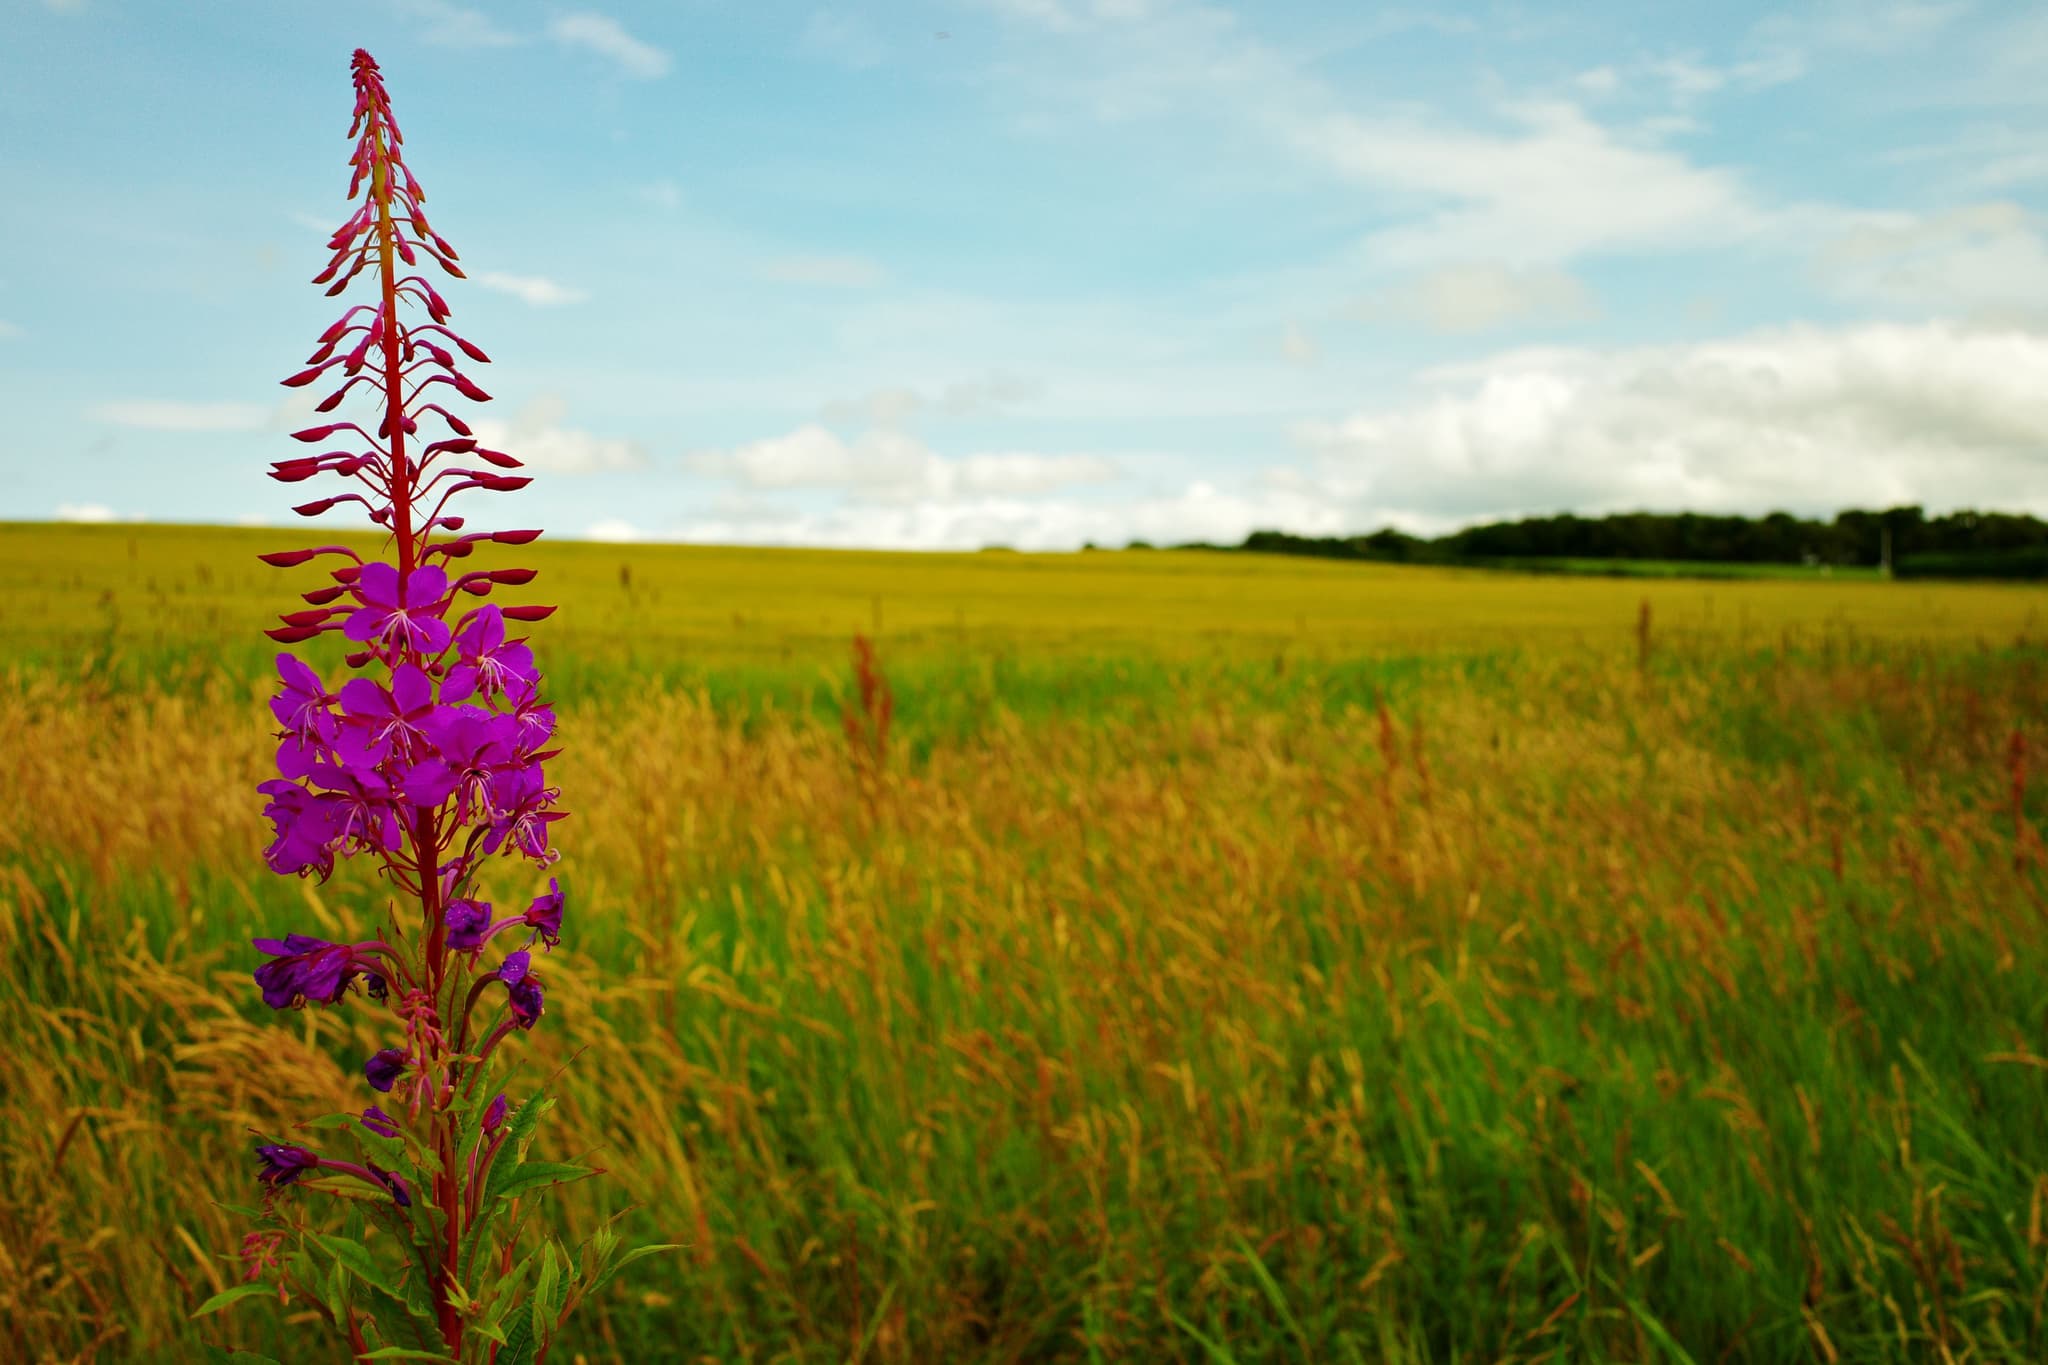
(395, 622)
(545, 915)
(281, 1165)
(494, 1114)
(384, 1068)
(379, 1122)
(393, 1182)
(306, 969)
(488, 664)
(468, 924)
(526, 1001)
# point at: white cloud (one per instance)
(452, 25)
(603, 35)
(84, 511)
(536, 437)
(1981, 261)
(171, 416)
(837, 272)
(1201, 511)
(888, 466)
(1298, 346)
(8, 329)
(1481, 297)
(534, 289)
(615, 530)
(1800, 418)
(841, 38)
(1560, 186)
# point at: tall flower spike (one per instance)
(400, 364)
(429, 763)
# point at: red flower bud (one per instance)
(528, 613)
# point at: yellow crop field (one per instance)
(1223, 958)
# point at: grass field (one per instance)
(1238, 959)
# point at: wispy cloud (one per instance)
(896, 407)
(837, 272)
(537, 290)
(663, 194)
(614, 529)
(605, 36)
(92, 512)
(843, 39)
(1298, 346)
(1481, 297)
(536, 436)
(153, 415)
(9, 329)
(889, 466)
(445, 24)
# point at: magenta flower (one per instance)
(305, 707)
(305, 830)
(520, 801)
(380, 721)
(400, 621)
(426, 764)
(488, 664)
(471, 746)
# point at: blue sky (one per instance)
(1035, 272)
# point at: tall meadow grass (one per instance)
(1553, 994)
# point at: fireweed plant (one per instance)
(428, 761)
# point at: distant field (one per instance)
(1238, 959)
(165, 598)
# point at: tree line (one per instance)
(1997, 544)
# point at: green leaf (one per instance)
(221, 1355)
(507, 1181)
(405, 1353)
(544, 1292)
(360, 1263)
(239, 1210)
(605, 1275)
(519, 1347)
(228, 1296)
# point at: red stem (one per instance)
(426, 843)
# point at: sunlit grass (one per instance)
(1240, 959)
